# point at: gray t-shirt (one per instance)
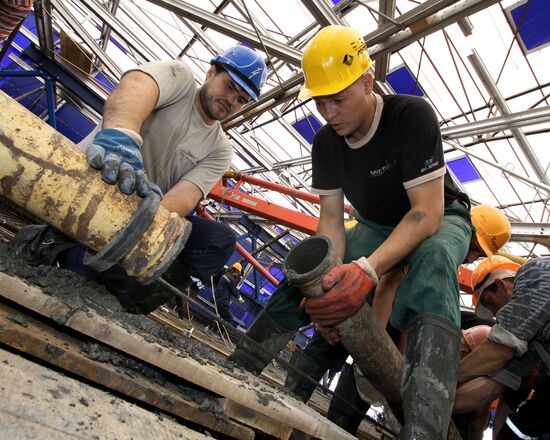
(177, 143)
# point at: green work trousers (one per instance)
(430, 285)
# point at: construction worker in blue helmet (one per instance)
(160, 136)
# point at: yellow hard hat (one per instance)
(333, 60)
(237, 266)
(481, 279)
(492, 228)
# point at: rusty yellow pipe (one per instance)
(47, 175)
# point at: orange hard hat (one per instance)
(492, 228)
(485, 274)
(237, 266)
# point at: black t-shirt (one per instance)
(404, 151)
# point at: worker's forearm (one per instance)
(182, 198)
(336, 233)
(173, 203)
(385, 294)
(131, 102)
(413, 229)
(487, 358)
(476, 394)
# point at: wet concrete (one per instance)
(80, 293)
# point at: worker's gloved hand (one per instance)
(240, 299)
(116, 152)
(329, 334)
(346, 286)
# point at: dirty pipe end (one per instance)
(308, 261)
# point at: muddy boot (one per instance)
(296, 383)
(271, 338)
(346, 408)
(40, 244)
(430, 372)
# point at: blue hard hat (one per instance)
(245, 67)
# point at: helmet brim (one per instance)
(330, 89)
(484, 246)
(241, 83)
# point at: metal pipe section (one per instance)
(241, 250)
(283, 189)
(47, 175)
(365, 340)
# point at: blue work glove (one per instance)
(116, 152)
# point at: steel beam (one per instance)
(290, 88)
(536, 184)
(151, 33)
(503, 108)
(414, 16)
(233, 30)
(322, 12)
(499, 123)
(106, 31)
(531, 232)
(519, 119)
(43, 17)
(87, 38)
(438, 21)
(122, 31)
(73, 80)
(387, 9)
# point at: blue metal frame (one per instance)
(49, 82)
(55, 70)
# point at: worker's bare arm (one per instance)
(331, 222)
(476, 394)
(487, 358)
(182, 198)
(423, 220)
(131, 102)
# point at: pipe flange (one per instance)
(127, 236)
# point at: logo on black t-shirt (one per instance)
(429, 163)
(380, 171)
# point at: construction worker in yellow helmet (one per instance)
(384, 154)
(492, 232)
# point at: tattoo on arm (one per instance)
(417, 216)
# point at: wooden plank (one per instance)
(238, 386)
(273, 374)
(256, 420)
(33, 337)
(44, 404)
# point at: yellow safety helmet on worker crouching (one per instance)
(333, 60)
(492, 228)
(237, 266)
(485, 274)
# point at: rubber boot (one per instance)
(271, 338)
(430, 372)
(41, 244)
(346, 408)
(298, 384)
